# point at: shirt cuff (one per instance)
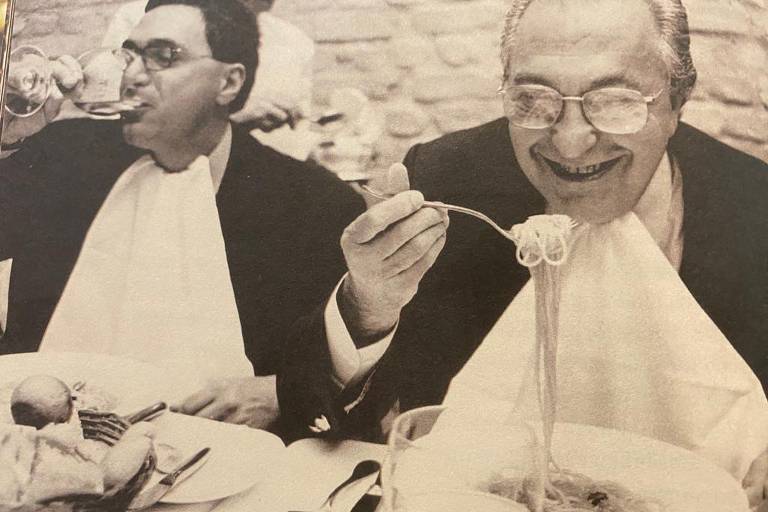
(350, 364)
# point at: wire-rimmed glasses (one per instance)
(610, 109)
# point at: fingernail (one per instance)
(417, 198)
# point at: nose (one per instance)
(572, 134)
(135, 76)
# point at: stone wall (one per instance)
(431, 66)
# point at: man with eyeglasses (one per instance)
(592, 92)
(171, 235)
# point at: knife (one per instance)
(155, 493)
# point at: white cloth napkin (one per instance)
(636, 353)
(152, 280)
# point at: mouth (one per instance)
(581, 172)
(135, 109)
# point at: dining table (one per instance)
(312, 469)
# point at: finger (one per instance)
(415, 272)
(216, 410)
(402, 232)
(196, 402)
(382, 215)
(67, 71)
(444, 215)
(396, 179)
(413, 252)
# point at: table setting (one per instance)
(435, 460)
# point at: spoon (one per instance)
(362, 469)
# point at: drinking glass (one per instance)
(439, 461)
(30, 82)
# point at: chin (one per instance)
(592, 212)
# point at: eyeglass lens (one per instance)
(618, 111)
(154, 58)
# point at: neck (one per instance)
(184, 152)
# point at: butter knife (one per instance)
(155, 493)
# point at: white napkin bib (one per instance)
(152, 280)
(636, 353)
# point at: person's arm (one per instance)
(388, 250)
(351, 363)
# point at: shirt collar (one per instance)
(660, 209)
(219, 157)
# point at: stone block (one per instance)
(284, 8)
(747, 124)
(763, 89)
(433, 88)
(458, 114)
(459, 50)
(410, 51)
(79, 21)
(382, 83)
(459, 17)
(406, 120)
(405, 3)
(41, 24)
(706, 115)
(719, 17)
(357, 25)
(360, 4)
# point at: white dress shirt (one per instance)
(660, 209)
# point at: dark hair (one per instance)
(232, 34)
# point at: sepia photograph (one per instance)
(384, 255)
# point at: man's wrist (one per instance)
(364, 325)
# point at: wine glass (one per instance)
(31, 82)
(441, 461)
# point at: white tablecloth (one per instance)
(314, 469)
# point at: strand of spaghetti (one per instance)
(544, 238)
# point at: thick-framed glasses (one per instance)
(611, 110)
(156, 57)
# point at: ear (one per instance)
(232, 80)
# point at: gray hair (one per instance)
(672, 24)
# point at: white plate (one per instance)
(240, 457)
(678, 478)
(133, 383)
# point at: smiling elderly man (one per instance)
(171, 235)
(592, 92)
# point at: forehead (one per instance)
(577, 43)
(182, 24)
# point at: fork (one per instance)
(362, 470)
(108, 427)
(450, 207)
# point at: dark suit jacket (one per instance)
(725, 266)
(281, 220)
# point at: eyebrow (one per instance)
(605, 81)
(131, 45)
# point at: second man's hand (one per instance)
(388, 250)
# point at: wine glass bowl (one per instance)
(439, 461)
(99, 93)
(29, 81)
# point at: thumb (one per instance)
(396, 179)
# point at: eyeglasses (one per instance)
(610, 110)
(155, 57)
